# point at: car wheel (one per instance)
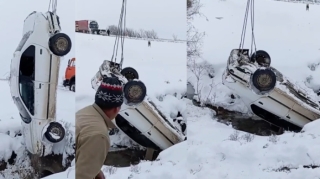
(72, 86)
(135, 92)
(60, 44)
(130, 73)
(262, 58)
(264, 80)
(55, 132)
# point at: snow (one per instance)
(285, 30)
(217, 148)
(158, 169)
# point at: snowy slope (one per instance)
(162, 72)
(219, 151)
(10, 121)
(288, 32)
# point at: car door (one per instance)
(136, 117)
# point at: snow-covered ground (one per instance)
(10, 121)
(219, 151)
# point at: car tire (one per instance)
(134, 92)
(130, 73)
(72, 85)
(262, 58)
(60, 44)
(57, 129)
(264, 80)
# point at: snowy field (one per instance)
(10, 121)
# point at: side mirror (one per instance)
(69, 61)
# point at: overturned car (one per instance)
(138, 118)
(34, 77)
(267, 93)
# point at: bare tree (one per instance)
(199, 70)
(194, 37)
(151, 34)
(114, 30)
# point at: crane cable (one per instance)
(250, 4)
(53, 5)
(120, 35)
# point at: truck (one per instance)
(70, 75)
(87, 26)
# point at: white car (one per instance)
(267, 93)
(34, 77)
(138, 118)
(103, 32)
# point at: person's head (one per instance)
(109, 96)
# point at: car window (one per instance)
(23, 112)
(93, 24)
(73, 63)
(23, 40)
(26, 78)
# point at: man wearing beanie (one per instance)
(92, 125)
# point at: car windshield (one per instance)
(23, 40)
(94, 25)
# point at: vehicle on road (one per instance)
(70, 75)
(87, 26)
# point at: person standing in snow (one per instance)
(92, 127)
(149, 43)
(307, 7)
(108, 32)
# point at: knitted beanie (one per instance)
(109, 93)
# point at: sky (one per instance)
(166, 17)
(11, 28)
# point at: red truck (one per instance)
(87, 26)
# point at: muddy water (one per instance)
(252, 125)
(125, 157)
(239, 121)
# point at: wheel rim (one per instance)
(56, 131)
(264, 80)
(73, 87)
(130, 75)
(135, 92)
(62, 44)
(262, 60)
